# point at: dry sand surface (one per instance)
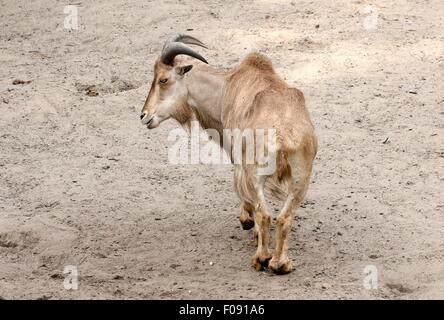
(83, 183)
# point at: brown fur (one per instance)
(254, 96)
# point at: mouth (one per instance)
(148, 124)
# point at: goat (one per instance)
(251, 96)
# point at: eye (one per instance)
(163, 80)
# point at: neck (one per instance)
(205, 89)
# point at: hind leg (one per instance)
(262, 220)
(280, 263)
(250, 188)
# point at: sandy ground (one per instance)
(83, 183)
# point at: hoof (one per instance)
(281, 267)
(260, 262)
(247, 224)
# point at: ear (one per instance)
(184, 69)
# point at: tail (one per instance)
(277, 184)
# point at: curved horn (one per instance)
(175, 46)
(184, 39)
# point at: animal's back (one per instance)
(257, 98)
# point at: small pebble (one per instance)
(325, 286)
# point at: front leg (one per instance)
(246, 216)
(247, 221)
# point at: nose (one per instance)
(142, 116)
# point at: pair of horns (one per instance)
(175, 45)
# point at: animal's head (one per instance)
(168, 90)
